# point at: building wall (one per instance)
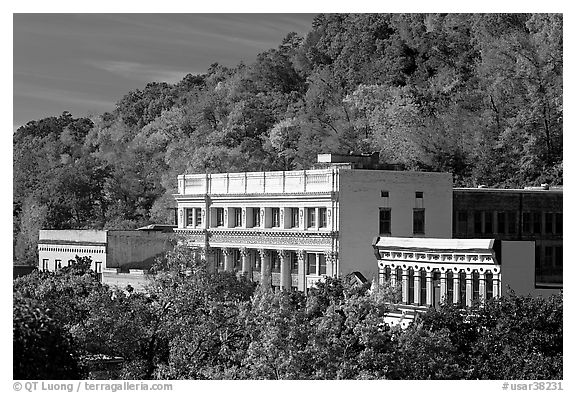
(135, 249)
(518, 273)
(360, 198)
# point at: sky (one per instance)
(85, 63)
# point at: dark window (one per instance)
(548, 222)
(275, 217)
(410, 286)
(322, 217)
(477, 222)
(501, 222)
(462, 284)
(418, 222)
(527, 222)
(295, 222)
(219, 216)
(558, 223)
(462, 222)
(321, 264)
(385, 221)
(489, 286)
(511, 222)
(237, 217)
(558, 257)
(488, 222)
(450, 287)
(255, 217)
(237, 260)
(311, 265)
(423, 285)
(293, 262)
(537, 222)
(198, 218)
(475, 286)
(311, 217)
(189, 217)
(419, 194)
(275, 261)
(384, 194)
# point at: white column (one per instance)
(405, 286)
(265, 269)
(468, 289)
(285, 276)
(246, 263)
(482, 286)
(228, 262)
(496, 284)
(417, 287)
(443, 287)
(302, 270)
(456, 287)
(429, 289)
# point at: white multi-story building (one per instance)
(290, 229)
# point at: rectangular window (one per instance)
(488, 222)
(418, 221)
(548, 222)
(255, 217)
(477, 222)
(537, 222)
(558, 223)
(321, 264)
(198, 217)
(274, 262)
(385, 221)
(527, 222)
(45, 265)
(237, 217)
(462, 222)
(501, 222)
(423, 284)
(189, 217)
(237, 260)
(511, 222)
(322, 217)
(293, 262)
(384, 194)
(419, 200)
(275, 217)
(219, 216)
(311, 215)
(294, 217)
(311, 264)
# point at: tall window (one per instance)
(423, 284)
(501, 222)
(512, 222)
(462, 222)
(321, 264)
(237, 217)
(275, 217)
(558, 223)
(189, 217)
(293, 262)
(255, 217)
(548, 224)
(294, 217)
(527, 222)
(275, 262)
(311, 212)
(537, 222)
(418, 222)
(385, 221)
(488, 222)
(477, 222)
(311, 264)
(198, 217)
(219, 216)
(322, 217)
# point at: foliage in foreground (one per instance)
(193, 324)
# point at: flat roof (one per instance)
(510, 190)
(434, 244)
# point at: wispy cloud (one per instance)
(139, 71)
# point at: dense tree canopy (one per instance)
(193, 324)
(478, 95)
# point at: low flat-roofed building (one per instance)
(430, 271)
(119, 257)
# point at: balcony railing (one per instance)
(310, 181)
